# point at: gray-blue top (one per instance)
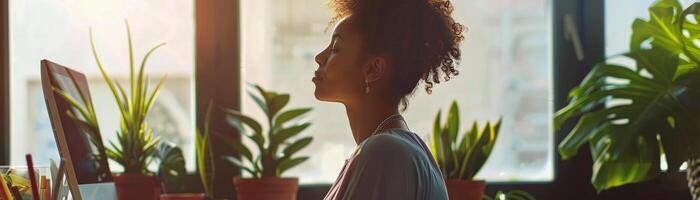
(394, 164)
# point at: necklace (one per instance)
(391, 118)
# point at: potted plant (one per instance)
(136, 145)
(172, 161)
(171, 171)
(460, 159)
(630, 115)
(275, 150)
(205, 164)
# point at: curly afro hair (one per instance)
(419, 36)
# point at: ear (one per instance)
(376, 69)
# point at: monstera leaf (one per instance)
(630, 115)
(172, 163)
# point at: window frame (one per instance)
(218, 78)
(4, 85)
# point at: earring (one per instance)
(366, 86)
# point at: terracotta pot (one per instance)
(266, 188)
(183, 196)
(136, 187)
(465, 190)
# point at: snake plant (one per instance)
(276, 152)
(461, 158)
(205, 154)
(630, 115)
(137, 145)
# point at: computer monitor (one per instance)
(87, 170)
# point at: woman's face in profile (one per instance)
(340, 77)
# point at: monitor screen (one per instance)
(88, 159)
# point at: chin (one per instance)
(319, 94)
(322, 96)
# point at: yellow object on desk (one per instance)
(5, 190)
(42, 188)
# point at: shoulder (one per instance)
(384, 141)
(392, 144)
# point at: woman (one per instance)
(379, 51)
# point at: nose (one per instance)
(321, 57)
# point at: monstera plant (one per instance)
(631, 114)
(275, 147)
(460, 159)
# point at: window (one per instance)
(505, 71)
(58, 31)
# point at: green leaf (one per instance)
(453, 123)
(236, 162)
(289, 163)
(449, 158)
(581, 133)
(257, 167)
(635, 163)
(109, 81)
(262, 92)
(436, 143)
(250, 122)
(476, 155)
(289, 115)
(205, 154)
(464, 147)
(277, 103)
(172, 162)
(235, 118)
(473, 135)
(286, 133)
(240, 148)
(296, 146)
(260, 102)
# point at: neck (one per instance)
(365, 117)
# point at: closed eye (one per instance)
(334, 47)
(334, 41)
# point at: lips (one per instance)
(317, 77)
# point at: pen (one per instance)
(32, 177)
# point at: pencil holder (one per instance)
(16, 185)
